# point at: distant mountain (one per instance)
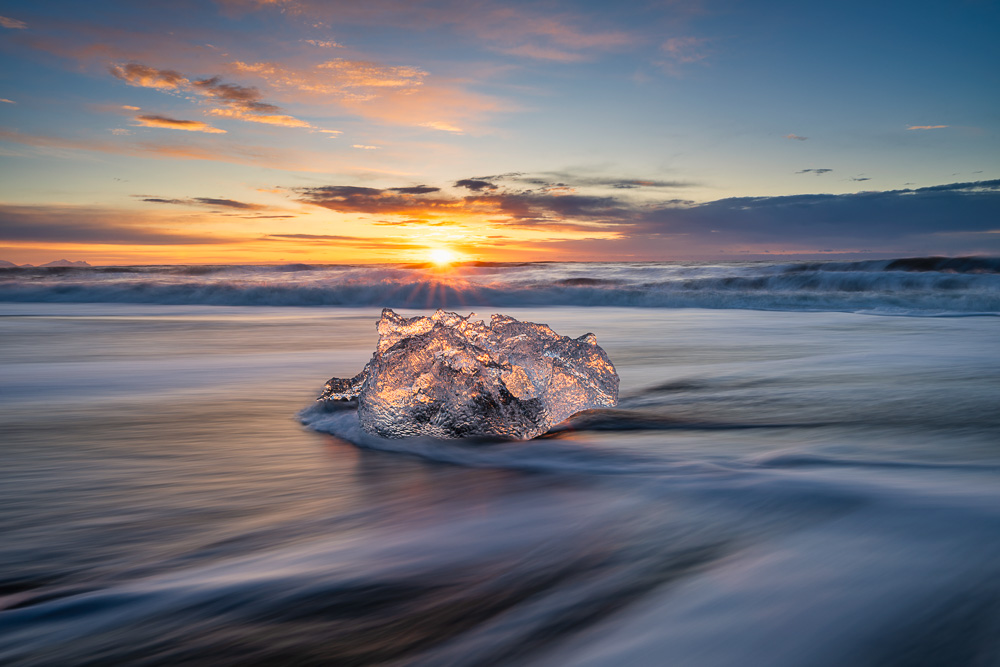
(4, 264)
(65, 262)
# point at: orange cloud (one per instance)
(238, 102)
(176, 124)
(354, 79)
(441, 125)
(267, 119)
(400, 95)
(926, 127)
(142, 76)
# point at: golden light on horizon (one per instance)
(442, 256)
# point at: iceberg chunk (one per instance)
(448, 376)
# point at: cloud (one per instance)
(236, 101)
(926, 127)
(814, 171)
(681, 51)
(205, 149)
(395, 94)
(543, 53)
(142, 76)
(6, 101)
(244, 98)
(907, 220)
(441, 125)
(518, 208)
(501, 27)
(406, 201)
(267, 119)
(796, 137)
(365, 147)
(357, 80)
(176, 124)
(860, 178)
(475, 185)
(685, 49)
(562, 178)
(12, 24)
(83, 224)
(325, 44)
(382, 243)
(416, 190)
(206, 201)
(931, 219)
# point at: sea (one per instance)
(803, 470)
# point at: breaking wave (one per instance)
(908, 286)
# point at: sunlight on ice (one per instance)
(448, 376)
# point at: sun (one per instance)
(442, 256)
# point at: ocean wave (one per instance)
(911, 286)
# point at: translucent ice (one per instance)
(450, 377)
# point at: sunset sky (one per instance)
(269, 131)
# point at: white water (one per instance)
(921, 286)
(775, 488)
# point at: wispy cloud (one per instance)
(177, 124)
(6, 101)
(86, 224)
(379, 243)
(206, 148)
(926, 127)
(365, 147)
(267, 119)
(680, 51)
(325, 43)
(398, 94)
(685, 49)
(539, 52)
(818, 172)
(205, 201)
(795, 137)
(441, 125)
(235, 101)
(501, 27)
(12, 24)
(358, 80)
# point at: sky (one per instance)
(326, 131)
